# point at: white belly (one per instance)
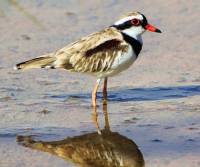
(121, 63)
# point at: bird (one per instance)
(102, 54)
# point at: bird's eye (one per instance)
(135, 22)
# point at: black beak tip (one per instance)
(158, 31)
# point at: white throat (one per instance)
(134, 33)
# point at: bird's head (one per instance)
(134, 24)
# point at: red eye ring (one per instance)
(135, 22)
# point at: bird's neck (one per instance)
(132, 37)
(135, 44)
(133, 34)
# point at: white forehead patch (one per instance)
(121, 21)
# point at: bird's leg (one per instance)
(105, 91)
(94, 93)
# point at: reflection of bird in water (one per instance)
(108, 149)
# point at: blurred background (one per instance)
(155, 103)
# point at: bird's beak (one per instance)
(151, 28)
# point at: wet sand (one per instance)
(155, 103)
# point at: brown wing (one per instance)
(94, 53)
(107, 45)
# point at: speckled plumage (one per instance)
(92, 54)
(102, 54)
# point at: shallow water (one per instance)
(153, 108)
(160, 139)
(101, 148)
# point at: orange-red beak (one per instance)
(151, 28)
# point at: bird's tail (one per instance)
(46, 61)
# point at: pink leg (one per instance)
(94, 93)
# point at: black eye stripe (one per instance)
(124, 25)
(128, 24)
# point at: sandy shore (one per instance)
(155, 103)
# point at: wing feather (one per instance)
(94, 53)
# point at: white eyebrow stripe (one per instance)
(121, 21)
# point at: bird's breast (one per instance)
(122, 62)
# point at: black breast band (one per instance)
(135, 44)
